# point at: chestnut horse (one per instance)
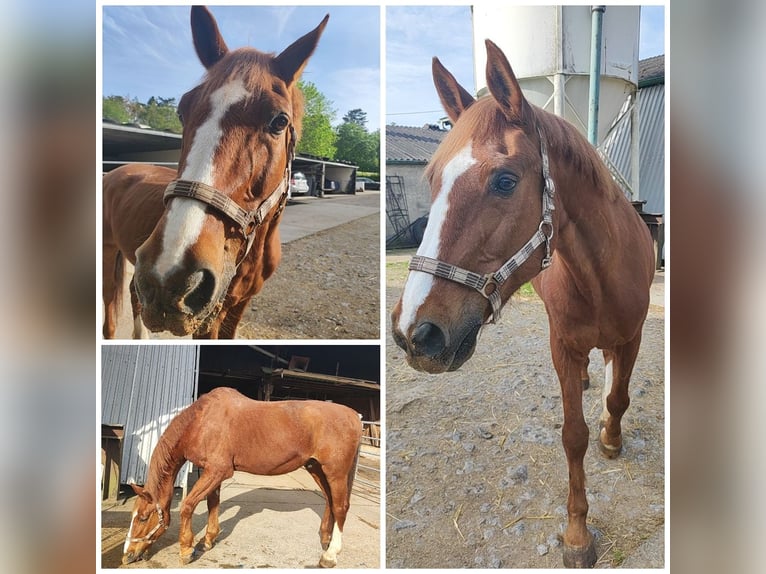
(518, 195)
(224, 431)
(204, 239)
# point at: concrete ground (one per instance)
(305, 216)
(266, 522)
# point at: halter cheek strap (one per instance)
(489, 284)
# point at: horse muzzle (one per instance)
(434, 349)
(179, 302)
(131, 557)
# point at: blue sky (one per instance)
(414, 34)
(148, 50)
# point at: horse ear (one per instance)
(139, 490)
(502, 83)
(293, 59)
(208, 41)
(453, 96)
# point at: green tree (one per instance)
(160, 114)
(359, 147)
(356, 116)
(318, 137)
(115, 108)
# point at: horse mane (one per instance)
(572, 148)
(166, 461)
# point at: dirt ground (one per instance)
(337, 296)
(476, 474)
(266, 522)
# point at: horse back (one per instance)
(133, 204)
(270, 437)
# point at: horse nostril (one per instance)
(200, 288)
(428, 339)
(399, 339)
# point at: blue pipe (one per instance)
(597, 29)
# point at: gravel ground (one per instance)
(476, 474)
(337, 296)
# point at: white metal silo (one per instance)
(548, 48)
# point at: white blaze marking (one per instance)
(130, 532)
(331, 554)
(608, 379)
(186, 216)
(419, 284)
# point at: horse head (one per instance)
(239, 130)
(486, 182)
(148, 522)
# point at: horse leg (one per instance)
(325, 528)
(111, 261)
(618, 369)
(584, 376)
(231, 319)
(207, 483)
(213, 526)
(338, 482)
(579, 546)
(139, 330)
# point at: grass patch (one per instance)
(618, 557)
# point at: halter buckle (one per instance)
(490, 286)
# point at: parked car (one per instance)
(299, 185)
(365, 183)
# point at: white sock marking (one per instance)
(331, 554)
(184, 221)
(608, 379)
(419, 284)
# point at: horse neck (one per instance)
(164, 466)
(589, 209)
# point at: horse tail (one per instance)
(352, 472)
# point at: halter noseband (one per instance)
(157, 526)
(247, 221)
(489, 284)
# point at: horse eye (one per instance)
(504, 184)
(180, 117)
(279, 123)
(143, 518)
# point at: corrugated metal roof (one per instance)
(412, 145)
(651, 71)
(142, 388)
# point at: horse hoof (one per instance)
(187, 558)
(328, 562)
(608, 450)
(208, 545)
(580, 557)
